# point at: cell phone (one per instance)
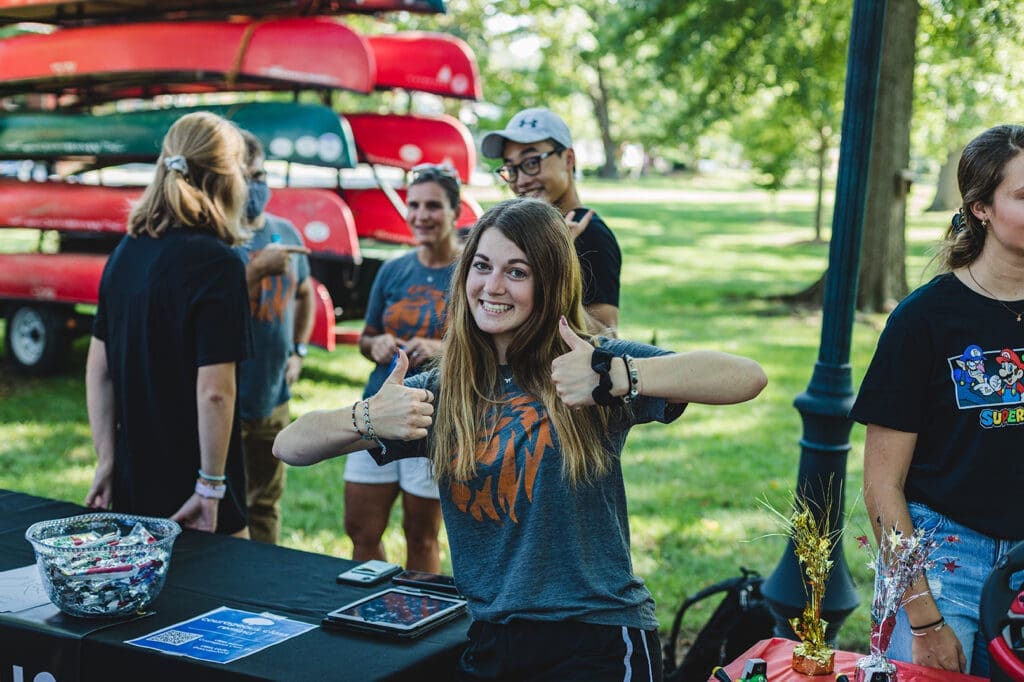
(430, 582)
(369, 573)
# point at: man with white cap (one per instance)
(539, 162)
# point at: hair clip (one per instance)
(959, 224)
(176, 163)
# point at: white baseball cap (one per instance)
(529, 125)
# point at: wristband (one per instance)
(214, 492)
(601, 362)
(937, 625)
(207, 477)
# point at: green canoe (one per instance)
(299, 133)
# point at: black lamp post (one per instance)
(826, 402)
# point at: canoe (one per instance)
(51, 277)
(100, 63)
(78, 12)
(325, 221)
(405, 141)
(426, 62)
(377, 218)
(298, 133)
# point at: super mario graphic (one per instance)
(983, 379)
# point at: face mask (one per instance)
(259, 195)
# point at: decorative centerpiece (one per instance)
(900, 560)
(813, 542)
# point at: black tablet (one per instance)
(396, 611)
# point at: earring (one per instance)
(986, 223)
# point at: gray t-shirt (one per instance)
(261, 381)
(527, 545)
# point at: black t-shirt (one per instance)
(168, 306)
(600, 261)
(948, 368)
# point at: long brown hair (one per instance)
(981, 170)
(203, 189)
(469, 366)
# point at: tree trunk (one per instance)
(883, 275)
(947, 193)
(819, 208)
(610, 168)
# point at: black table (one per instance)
(208, 571)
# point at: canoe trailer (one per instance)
(351, 224)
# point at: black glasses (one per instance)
(428, 169)
(529, 166)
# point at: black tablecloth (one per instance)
(208, 571)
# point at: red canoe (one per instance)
(325, 221)
(377, 218)
(107, 62)
(404, 141)
(426, 62)
(51, 277)
(79, 11)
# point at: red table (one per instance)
(778, 654)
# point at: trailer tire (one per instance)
(35, 340)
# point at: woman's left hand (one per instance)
(571, 373)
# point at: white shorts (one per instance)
(413, 475)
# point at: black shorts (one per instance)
(560, 651)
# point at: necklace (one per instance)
(974, 279)
(506, 374)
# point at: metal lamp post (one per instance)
(825, 404)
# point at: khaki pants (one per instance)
(264, 474)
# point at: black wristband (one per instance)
(601, 362)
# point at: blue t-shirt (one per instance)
(527, 545)
(407, 300)
(261, 382)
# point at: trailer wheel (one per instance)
(34, 339)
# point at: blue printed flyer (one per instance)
(223, 635)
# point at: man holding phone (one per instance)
(540, 162)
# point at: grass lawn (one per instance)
(702, 258)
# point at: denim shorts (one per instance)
(957, 593)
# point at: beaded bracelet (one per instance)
(634, 380)
(210, 492)
(354, 424)
(370, 433)
(207, 477)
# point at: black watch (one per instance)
(301, 350)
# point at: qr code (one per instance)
(175, 637)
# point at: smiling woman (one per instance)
(526, 443)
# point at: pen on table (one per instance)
(719, 674)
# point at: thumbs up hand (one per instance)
(573, 377)
(398, 412)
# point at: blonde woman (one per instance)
(526, 442)
(171, 325)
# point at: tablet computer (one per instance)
(396, 611)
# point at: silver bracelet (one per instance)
(370, 433)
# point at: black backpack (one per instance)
(741, 620)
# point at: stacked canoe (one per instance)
(101, 89)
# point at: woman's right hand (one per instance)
(398, 412)
(383, 348)
(101, 493)
(939, 649)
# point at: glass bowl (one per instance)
(105, 564)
